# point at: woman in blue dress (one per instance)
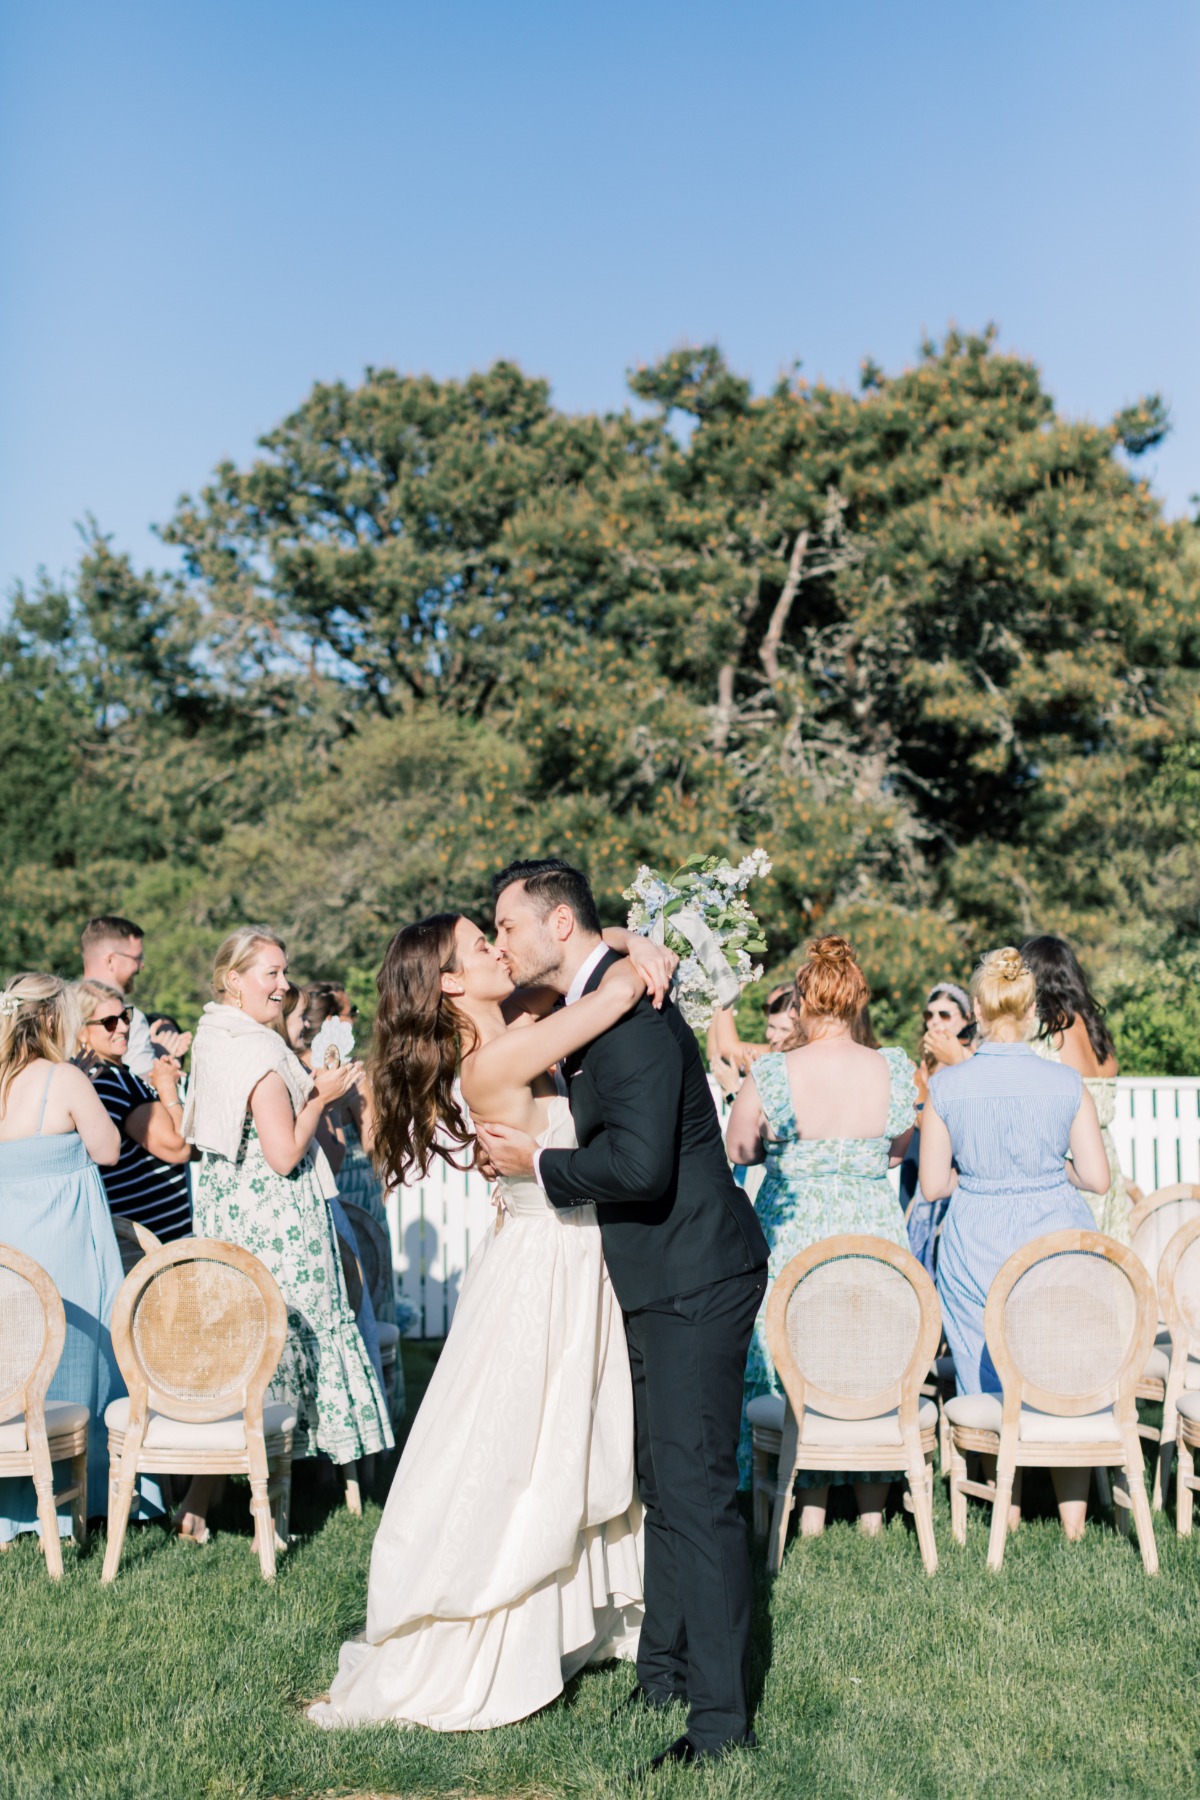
(1007, 1120)
(827, 1117)
(53, 1132)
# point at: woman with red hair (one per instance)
(828, 1117)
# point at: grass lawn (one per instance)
(1068, 1674)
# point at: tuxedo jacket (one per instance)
(650, 1156)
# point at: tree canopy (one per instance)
(930, 643)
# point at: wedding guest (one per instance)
(149, 1182)
(779, 1010)
(253, 1110)
(828, 1118)
(995, 1135)
(1071, 1030)
(114, 952)
(949, 1034)
(53, 1133)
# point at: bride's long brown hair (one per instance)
(420, 1038)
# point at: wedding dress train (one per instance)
(510, 1550)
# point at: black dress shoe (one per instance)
(684, 1751)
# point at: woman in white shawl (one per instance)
(253, 1109)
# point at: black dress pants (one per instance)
(688, 1360)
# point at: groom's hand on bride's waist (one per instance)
(509, 1151)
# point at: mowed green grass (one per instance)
(1069, 1674)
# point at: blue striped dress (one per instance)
(1009, 1115)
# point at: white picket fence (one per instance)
(436, 1223)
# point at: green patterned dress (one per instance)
(285, 1221)
(816, 1188)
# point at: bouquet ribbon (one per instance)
(705, 948)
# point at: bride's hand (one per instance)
(655, 963)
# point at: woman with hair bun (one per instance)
(828, 1117)
(1007, 1120)
(1071, 1030)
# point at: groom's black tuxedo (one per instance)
(687, 1258)
(650, 1155)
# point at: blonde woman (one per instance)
(1007, 1119)
(253, 1110)
(149, 1182)
(53, 1132)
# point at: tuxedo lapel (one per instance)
(571, 1065)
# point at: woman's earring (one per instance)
(237, 997)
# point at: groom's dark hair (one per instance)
(551, 882)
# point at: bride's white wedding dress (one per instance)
(510, 1550)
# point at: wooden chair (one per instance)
(198, 1330)
(133, 1241)
(852, 1325)
(1163, 1196)
(1157, 1220)
(1179, 1297)
(1069, 1323)
(36, 1433)
(375, 1256)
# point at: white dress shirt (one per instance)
(139, 1053)
(583, 975)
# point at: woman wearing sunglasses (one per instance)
(149, 1182)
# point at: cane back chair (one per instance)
(1069, 1322)
(36, 1433)
(1154, 1224)
(1179, 1296)
(133, 1241)
(852, 1326)
(198, 1330)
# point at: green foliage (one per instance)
(929, 643)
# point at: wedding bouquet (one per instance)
(701, 913)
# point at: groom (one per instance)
(688, 1263)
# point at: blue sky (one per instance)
(205, 208)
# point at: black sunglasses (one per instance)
(112, 1020)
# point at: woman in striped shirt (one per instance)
(149, 1183)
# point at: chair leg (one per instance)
(785, 1491)
(1162, 1472)
(1183, 1489)
(118, 1514)
(1143, 1517)
(958, 1500)
(920, 1485)
(353, 1495)
(43, 1481)
(760, 1482)
(945, 1453)
(79, 1466)
(1001, 1501)
(264, 1525)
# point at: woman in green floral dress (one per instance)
(264, 1184)
(828, 1118)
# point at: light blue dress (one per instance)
(817, 1188)
(1009, 1115)
(53, 1207)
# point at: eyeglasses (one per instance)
(110, 1022)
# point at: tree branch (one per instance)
(769, 648)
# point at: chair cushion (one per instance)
(163, 1433)
(1189, 1407)
(1158, 1365)
(981, 1412)
(62, 1417)
(766, 1411)
(388, 1335)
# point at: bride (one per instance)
(509, 1554)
